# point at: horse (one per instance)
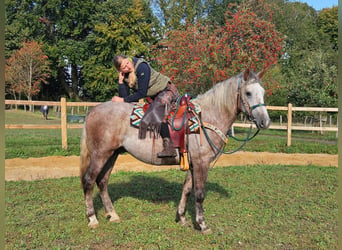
(107, 133)
(45, 111)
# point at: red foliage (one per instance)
(26, 69)
(199, 56)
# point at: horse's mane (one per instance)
(223, 96)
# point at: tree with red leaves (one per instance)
(26, 69)
(200, 55)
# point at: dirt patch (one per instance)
(64, 166)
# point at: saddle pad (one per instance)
(138, 113)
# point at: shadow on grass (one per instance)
(156, 190)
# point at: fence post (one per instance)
(289, 124)
(64, 123)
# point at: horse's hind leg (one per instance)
(102, 183)
(88, 180)
(187, 188)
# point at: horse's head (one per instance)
(251, 98)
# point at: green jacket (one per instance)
(158, 81)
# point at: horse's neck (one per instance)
(213, 115)
(219, 104)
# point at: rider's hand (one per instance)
(121, 77)
(117, 99)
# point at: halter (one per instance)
(248, 109)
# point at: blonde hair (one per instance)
(117, 61)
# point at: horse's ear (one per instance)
(262, 73)
(246, 74)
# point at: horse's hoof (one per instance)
(93, 225)
(207, 231)
(93, 222)
(184, 223)
(114, 218)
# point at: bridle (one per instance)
(247, 108)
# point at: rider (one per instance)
(137, 75)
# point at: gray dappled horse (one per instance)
(107, 133)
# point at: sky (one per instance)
(319, 4)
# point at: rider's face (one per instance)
(126, 66)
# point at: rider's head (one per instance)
(123, 63)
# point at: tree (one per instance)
(26, 69)
(328, 24)
(64, 26)
(317, 87)
(173, 14)
(309, 62)
(201, 55)
(61, 26)
(20, 24)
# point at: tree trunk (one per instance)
(74, 80)
(29, 98)
(15, 98)
(61, 77)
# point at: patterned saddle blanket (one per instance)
(177, 117)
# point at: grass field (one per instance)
(247, 207)
(259, 207)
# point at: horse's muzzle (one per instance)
(262, 123)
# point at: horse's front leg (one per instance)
(200, 175)
(187, 188)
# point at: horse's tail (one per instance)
(84, 153)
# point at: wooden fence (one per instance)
(63, 104)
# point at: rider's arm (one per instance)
(143, 73)
(123, 90)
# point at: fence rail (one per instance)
(63, 104)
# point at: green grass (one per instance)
(22, 117)
(276, 141)
(24, 143)
(250, 207)
(40, 142)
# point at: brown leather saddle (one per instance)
(179, 123)
(179, 120)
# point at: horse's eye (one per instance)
(248, 94)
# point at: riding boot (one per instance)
(169, 150)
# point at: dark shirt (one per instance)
(143, 73)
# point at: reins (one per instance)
(225, 140)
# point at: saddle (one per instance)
(183, 120)
(178, 122)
